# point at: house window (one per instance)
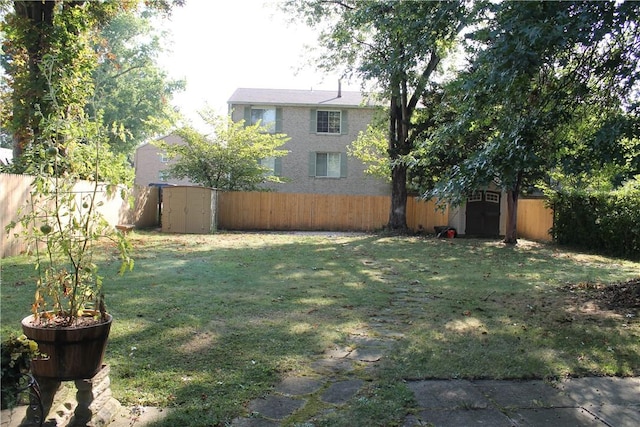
(328, 121)
(269, 163)
(328, 165)
(164, 158)
(266, 117)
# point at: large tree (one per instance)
(130, 89)
(535, 71)
(396, 46)
(60, 35)
(233, 157)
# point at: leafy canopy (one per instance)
(545, 79)
(229, 158)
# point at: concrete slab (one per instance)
(523, 394)
(340, 392)
(275, 407)
(447, 394)
(595, 391)
(555, 417)
(449, 418)
(616, 415)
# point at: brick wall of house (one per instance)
(149, 164)
(295, 166)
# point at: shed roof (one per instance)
(300, 97)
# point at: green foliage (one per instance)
(132, 92)
(370, 147)
(228, 159)
(606, 222)
(17, 352)
(536, 84)
(105, 65)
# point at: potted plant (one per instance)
(65, 229)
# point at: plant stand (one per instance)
(92, 406)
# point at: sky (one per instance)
(218, 46)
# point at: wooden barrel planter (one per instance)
(73, 353)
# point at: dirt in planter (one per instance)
(58, 321)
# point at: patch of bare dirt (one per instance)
(620, 297)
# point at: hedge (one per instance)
(607, 223)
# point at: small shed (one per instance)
(189, 209)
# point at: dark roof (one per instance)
(299, 97)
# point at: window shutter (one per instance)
(344, 122)
(278, 121)
(312, 164)
(313, 127)
(247, 115)
(343, 165)
(277, 166)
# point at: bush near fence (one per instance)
(607, 223)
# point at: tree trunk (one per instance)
(511, 234)
(398, 212)
(512, 218)
(26, 122)
(398, 146)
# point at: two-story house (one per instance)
(321, 124)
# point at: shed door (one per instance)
(173, 218)
(483, 214)
(198, 211)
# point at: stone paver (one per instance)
(339, 393)
(275, 407)
(298, 386)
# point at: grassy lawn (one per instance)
(206, 323)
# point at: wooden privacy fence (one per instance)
(535, 219)
(290, 211)
(293, 211)
(139, 207)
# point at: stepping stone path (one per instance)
(333, 384)
(335, 381)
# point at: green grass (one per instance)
(206, 323)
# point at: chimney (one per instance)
(339, 88)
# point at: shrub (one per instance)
(606, 222)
